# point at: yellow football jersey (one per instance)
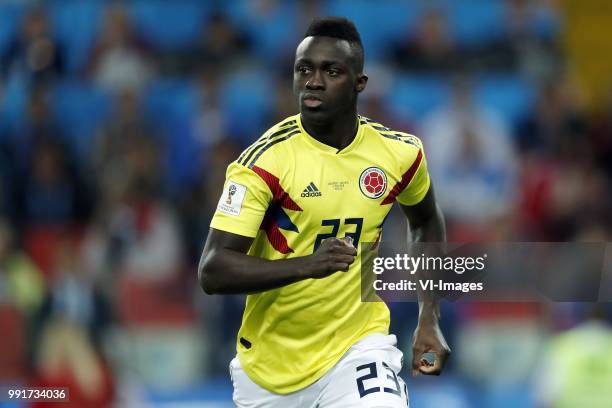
(290, 191)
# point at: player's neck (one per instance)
(337, 133)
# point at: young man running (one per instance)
(295, 206)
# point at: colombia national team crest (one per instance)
(373, 182)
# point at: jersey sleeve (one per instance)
(243, 203)
(418, 181)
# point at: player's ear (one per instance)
(362, 80)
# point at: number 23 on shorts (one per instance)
(370, 373)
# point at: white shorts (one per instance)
(366, 376)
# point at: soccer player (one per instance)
(295, 206)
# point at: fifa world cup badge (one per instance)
(232, 198)
(231, 192)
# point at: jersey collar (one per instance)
(330, 149)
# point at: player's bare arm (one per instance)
(427, 225)
(226, 268)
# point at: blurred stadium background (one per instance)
(117, 120)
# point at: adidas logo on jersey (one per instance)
(311, 191)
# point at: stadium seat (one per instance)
(510, 96)
(388, 21)
(11, 15)
(169, 25)
(80, 109)
(170, 99)
(246, 99)
(273, 32)
(475, 23)
(414, 96)
(171, 105)
(83, 17)
(13, 107)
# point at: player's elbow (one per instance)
(208, 283)
(207, 274)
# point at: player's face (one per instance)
(325, 78)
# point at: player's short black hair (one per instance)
(340, 28)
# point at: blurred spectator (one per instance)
(69, 330)
(557, 120)
(529, 42)
(430, 49)
(563, 197)
(535, 180)
(210, 120)
(373, 102)
(52, 192)
(221, 45)
(525, 43)
(136, 231)
(120, 60)
(21, 283)
(563, 186)
(22, 291)
(578, 196)
(40, 125)
(273, 27)
(471, 159)
(74, 295)
(115, 139)
(34, 53)
(577, 367)
(66, 358)
(200, 203)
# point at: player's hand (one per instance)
(333, 255)
(428, 338)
